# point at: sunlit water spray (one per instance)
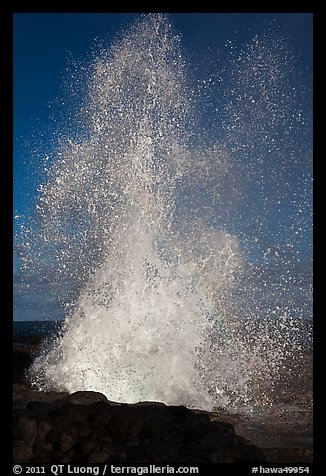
(164, 307)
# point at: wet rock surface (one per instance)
(283, 432)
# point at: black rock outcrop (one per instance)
(84, 427)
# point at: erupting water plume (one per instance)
(161, 307)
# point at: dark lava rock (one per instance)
(24, 395)
(26, 429)
(85, 428)
(22, 452)
(82, 398)
(289, 455)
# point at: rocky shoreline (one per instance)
(84, 427)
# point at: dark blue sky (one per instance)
(45, 45)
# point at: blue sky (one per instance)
(46, 44)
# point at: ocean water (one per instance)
(36, 328)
